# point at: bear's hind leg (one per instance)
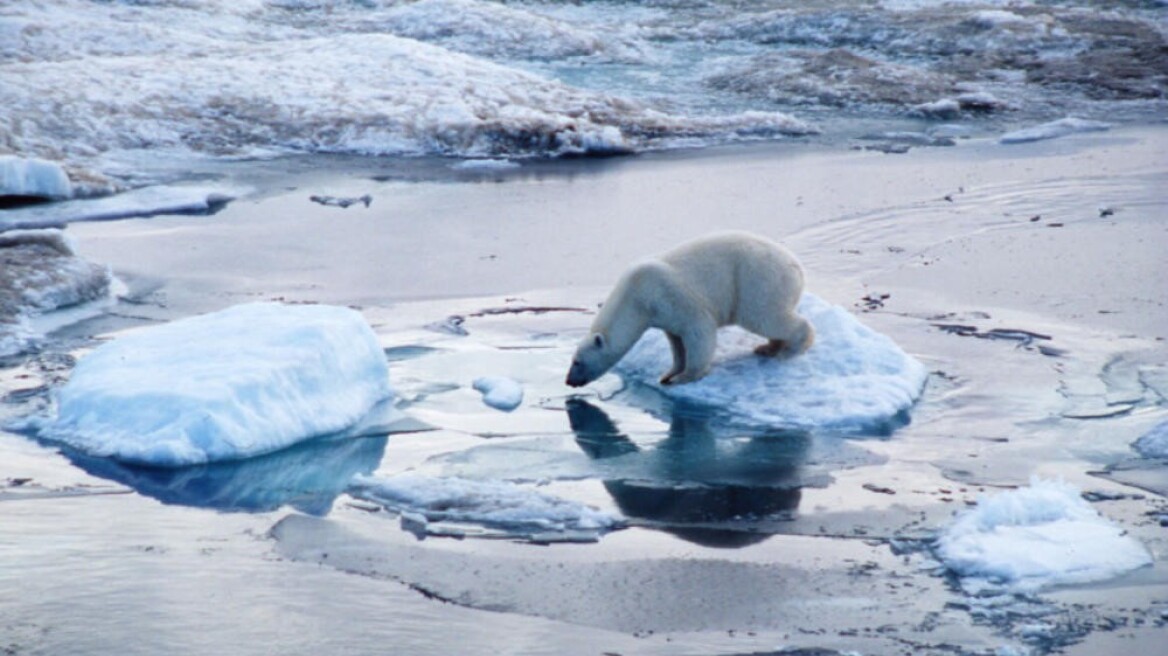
(772, 348)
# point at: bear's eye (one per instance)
(598, 341)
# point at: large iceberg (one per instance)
(245, 381)
(853, 378)
(1036, 537)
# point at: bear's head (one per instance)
(594, 356)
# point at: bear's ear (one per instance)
(598, 340)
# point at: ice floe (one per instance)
(33, 178)
(39, 274)
(1154, 443)
(499, 392)
(147, 201)
(1037, 537)
(853, 378)
(1054, 130)
(241, 382)
(439, 505)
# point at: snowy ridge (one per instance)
(852, 379)
(1037, 537)
(245, 381)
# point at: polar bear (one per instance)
(689, 292)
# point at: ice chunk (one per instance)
(39, 273)
(33, 178)
(517, 510)
(1154, 443)
(1054, 130)
(1036, 537)
(853, 379)
(499, 392)
(245, 381)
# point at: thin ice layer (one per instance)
(245, 381)
(852, 379)
(501, 505)
(1036, 537)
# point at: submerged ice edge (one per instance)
(440, 505)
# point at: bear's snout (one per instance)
(577, 375)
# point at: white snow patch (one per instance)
(852, 378)
(245, 381)
(1154, 443)
(1054, 130)
(1036, 537)
(514, 508)
(499, 392)
(34, 178)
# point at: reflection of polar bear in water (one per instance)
(732, 278)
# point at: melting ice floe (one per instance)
(852, 379)
(1037, 537)
(241, 382)
(511, 509)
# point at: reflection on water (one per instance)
(308, 477)
(705, 488)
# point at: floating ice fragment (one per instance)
(248, 380)
(33, 178)
(515, 510)
(852, 379)
(1154, 443)
(1036, 537)
(499, 392)
(1053, 130)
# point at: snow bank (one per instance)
(499, 392)
(33, 178)
(514, 509)
(1053, 130)
(1037, 537)
(248, 380)
(852, 379)
(1154, 443)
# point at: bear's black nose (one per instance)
(576, 376)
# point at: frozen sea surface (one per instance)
(853, 379)
(478, 78)
(242, 382)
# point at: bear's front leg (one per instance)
(678, 348)
(698, 344)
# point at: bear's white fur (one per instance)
(689, 292)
